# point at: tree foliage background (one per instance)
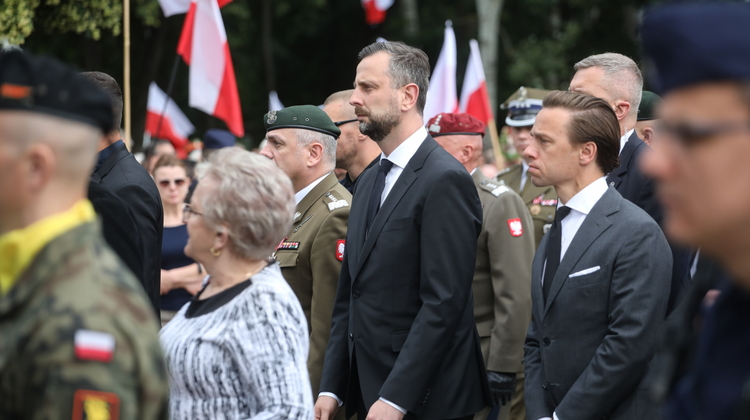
(307, 49)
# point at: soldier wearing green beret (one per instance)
(647, 120)
(522, 106)
(302, 142)
(78, 338)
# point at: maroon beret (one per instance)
(444, 124)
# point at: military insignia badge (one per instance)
(535, 209)
(95, 405)
(271, 117)
(340, 247)
(94, 345)
(292, 245)
(515, 226)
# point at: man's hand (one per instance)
(502, 386)
(383, 411)
(325, 408)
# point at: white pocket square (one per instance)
(584, 272)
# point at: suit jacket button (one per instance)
(356, 294)
(351, 336)
(544, 387)
(546, 341)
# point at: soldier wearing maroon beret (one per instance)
(502, 277)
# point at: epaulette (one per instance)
(333, 202)
(508, 169)
(495, 188)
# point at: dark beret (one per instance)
(444, 124)
(216, 138)
(47, 86)
(691, 43)
(647, 108)
(306, 117)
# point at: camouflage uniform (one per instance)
(77, 284)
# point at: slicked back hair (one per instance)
(407, 65)
(622, 77)
(592, 120)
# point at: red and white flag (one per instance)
(441, 96)
(375, 10)
(474, 97)
(165, 120)
(94, 345)
(203, 45)
(175, 7)
(274, 103)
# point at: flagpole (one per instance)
(496, 149)
(126, 64)
(169, 94)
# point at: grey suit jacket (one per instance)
(589, 346)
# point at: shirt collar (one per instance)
(624, 139)
(19, 247)
(301, 194)
(585, 200)
(105, 153)
(406, 150)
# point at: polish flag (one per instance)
(375, 10)
(176, 7)
(94, 345)
(441, 96)
(203, 45)
(274, 103)
(174, 125)
(474, 97)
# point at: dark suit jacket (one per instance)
(631, 183)
(404, 308)
(125, 177)
(118, 227)
(589, 346)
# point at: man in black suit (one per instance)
(117, 170)
(600, 277)
(403, 342)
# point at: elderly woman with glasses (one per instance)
(238, 350)
(181, 277)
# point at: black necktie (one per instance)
(377, 191)
(553, 250)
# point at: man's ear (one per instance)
(621, 109)
(40, 165)
(587, 153)
(648, 135)
(315, 154)
(409, 96)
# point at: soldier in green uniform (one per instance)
(502, 276)
(523, 105)
(78, 336)
(302, 142)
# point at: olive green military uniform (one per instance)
(50, 367)
(310, 259)
(502, 278)
(541, 201)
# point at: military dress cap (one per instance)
(45, 85)
(444, 124)
(692, 43)
(523, 105)
(216, 138)
(647, 108)
(306, 117)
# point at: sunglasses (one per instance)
(689, 134)
(340, 123)
(164, 183)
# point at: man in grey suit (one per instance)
(600, 278)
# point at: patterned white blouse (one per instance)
(241, 354)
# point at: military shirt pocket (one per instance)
(287, 258)
(398, 339)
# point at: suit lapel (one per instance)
(593, 226)
(358, 220)
(404, 181)
(537, 269)
(615, 177)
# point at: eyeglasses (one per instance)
(690, 135)
(340, 123)
(187, 211)
(164, 183)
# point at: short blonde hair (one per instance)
(254, 199)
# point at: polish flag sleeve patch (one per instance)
(340, 247)
(94, 345)
(515, 226)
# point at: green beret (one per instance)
(649, 101)
(306, 117)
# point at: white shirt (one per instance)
(580, 207)
(301, 194)
(524, 172)
(624, 139)
(400, 158)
